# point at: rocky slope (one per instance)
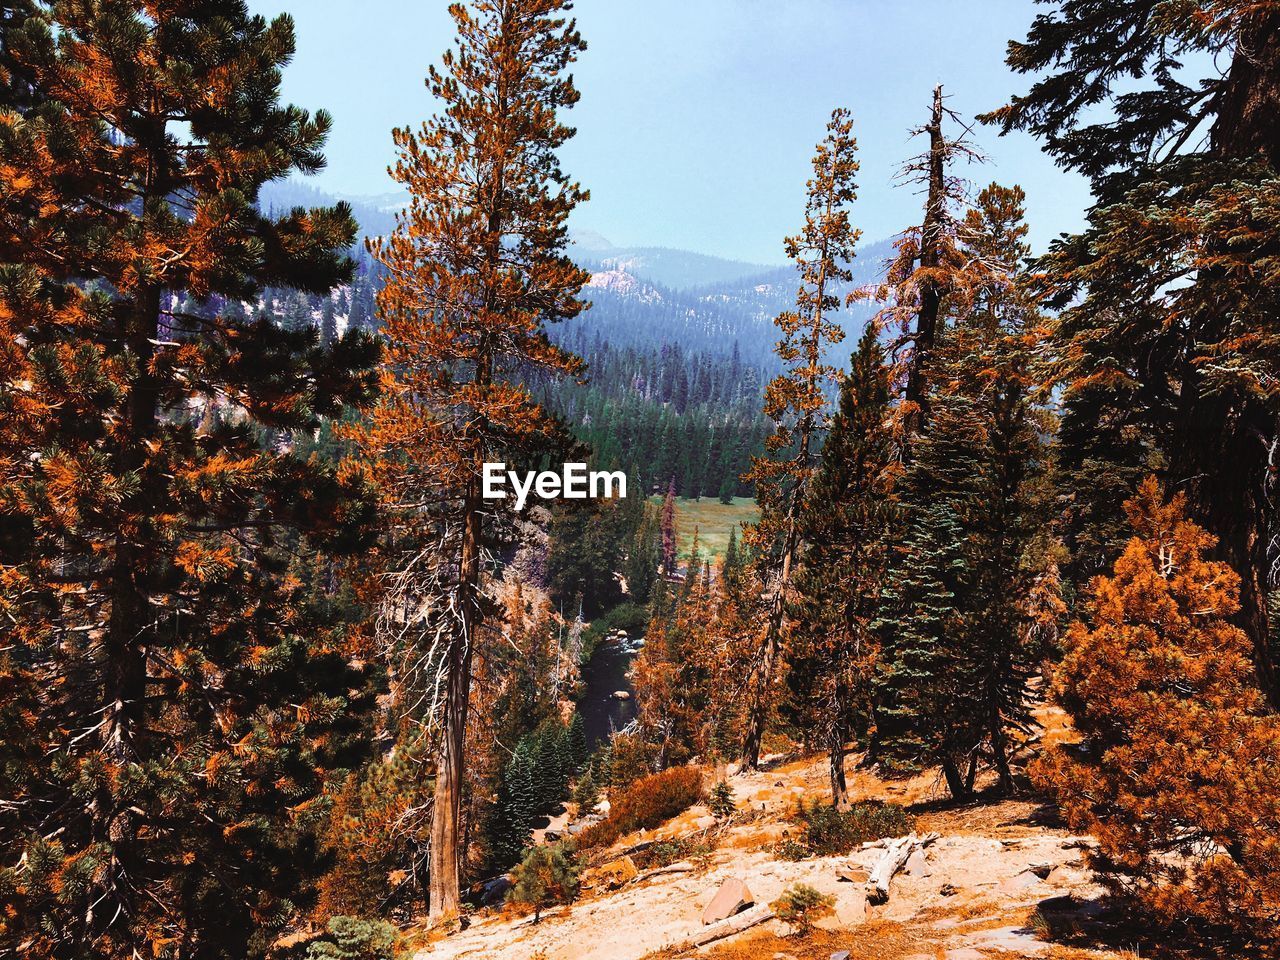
(1001, 879)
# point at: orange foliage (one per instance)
(1178, 772)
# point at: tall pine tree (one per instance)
(796, 400)
(476, 270)
(179, 695)
(848, 523)
(1166, 293)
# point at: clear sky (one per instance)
(699, 117)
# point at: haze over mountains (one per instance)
(647, 296)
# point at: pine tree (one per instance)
(669, 535)
(182, 703)
(958, 626)
(926, 280)
(796, 399)
(476, 270)
(1177, 772)
(848, 523)
(1161, 294)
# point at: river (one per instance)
(604, 675)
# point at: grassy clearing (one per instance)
(713, 520)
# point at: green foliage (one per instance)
(721, 801)
(586, 794)
(826, 831)
(849, 523)
(974, 578)
(352, 938)
(800, 904)
(374, 838)
(547, 875)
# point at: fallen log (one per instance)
(896, 853)
(726, 928)
(681, 867)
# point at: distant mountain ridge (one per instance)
(647, 296)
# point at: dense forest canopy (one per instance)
(278, 679)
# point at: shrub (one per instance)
(351, 938)
(826, 831)
(1178, 770)
(546, 876)
(800, 904)
(645, 804)
(721, 801)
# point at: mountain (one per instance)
(641, 296)
(674, 269)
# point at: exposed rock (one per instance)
(732, 897)
(1024, 883)
(1041, 870)
(840, 955)
(917, 864)
(852, 874)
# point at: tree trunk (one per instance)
(839, 785)
(1225, 455)
(955, 780)
(759, 710)
(445, 884)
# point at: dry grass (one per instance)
(875, 940)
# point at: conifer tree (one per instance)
(1161, 292)
(848, 523)
(1177, 772)
(958, 625)
(668, 530)
(926, 280)
(476, 270)
(796, 399)
(181, 699)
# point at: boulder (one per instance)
(1041, 870)
(851, 910)
(917, 864)
(851, 873)
(840, 955)
(1024, 883)
(732, 897)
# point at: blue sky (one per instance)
(699, 117)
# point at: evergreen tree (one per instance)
(669, 530)
(1178, 770)
(848, 524)
(576, 737)
(958, 630)
(476, 270)
(926, 280)
(796, 399)
(1161, 294)
(190, 704)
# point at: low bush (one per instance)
(826, 831)
(545, 877)
(353, 938)
(645, 804)
(800, 904)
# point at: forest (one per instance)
(276, 681)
